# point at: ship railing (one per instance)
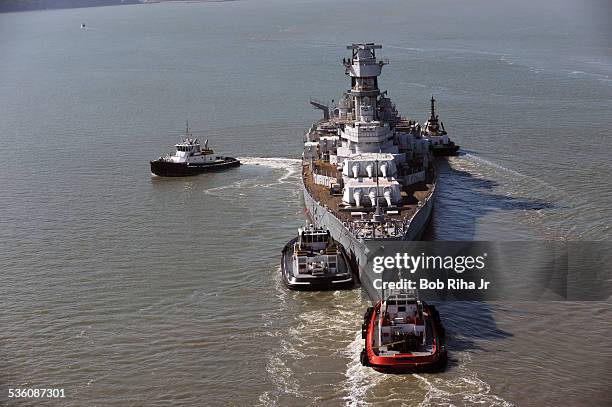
(327, 172)
(371, 229)
(371, 61)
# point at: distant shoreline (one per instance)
(11, 6)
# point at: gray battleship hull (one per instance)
(356, 248)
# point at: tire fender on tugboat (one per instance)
(366, 322)
(436, 318)
(363, 358)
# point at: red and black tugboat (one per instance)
(403, 335)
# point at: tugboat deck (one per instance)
(426, 349)
(314, 261)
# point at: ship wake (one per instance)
(290, 166)
(465, 388)
(460, 386)
(548, 209)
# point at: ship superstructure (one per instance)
(367, 171)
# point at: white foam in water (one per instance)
(405, 48)
(236, 185)
(466, 388)
(290, 165)
(283, 376)
(474, 157)
(279, 373)
(359, 379)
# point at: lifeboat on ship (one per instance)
(403, 335)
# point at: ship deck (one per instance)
(411, 195)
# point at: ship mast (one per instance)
(432, 116)
(432, 124)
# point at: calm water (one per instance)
(127, 290)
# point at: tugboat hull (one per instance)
(171, 169)
(444, 150)
(407, 367)
(314, 283)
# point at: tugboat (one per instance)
(314, 261)
(403, 335)
(440, 145)
(191, 159)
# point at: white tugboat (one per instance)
(367, 172)
(190, 158)
(314, 261)
(434, 131)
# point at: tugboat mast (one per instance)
(432, 116)
(432, 124)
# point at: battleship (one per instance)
(190, 158)
(367, 172)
